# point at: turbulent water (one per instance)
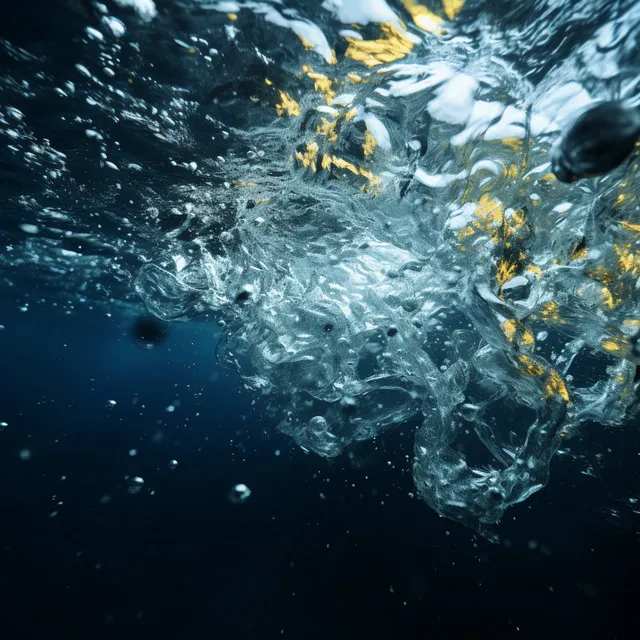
(361, 192)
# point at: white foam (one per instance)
(563, 104)
(454, 101)
(514, 283)
(349, 33)
(302, 28)
(344, 99)
(482, 115)
(378, 131)
(438, 180)
(146, 9)
(436, 73)
(361, 11)
(510, 125)
(462, 217)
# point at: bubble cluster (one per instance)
(362, 195)
(400, 274)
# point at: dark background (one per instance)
(365, 561)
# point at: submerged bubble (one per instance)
(599, 140)
(149, 332)
(135, 485)
(239, 493)
(173, 464)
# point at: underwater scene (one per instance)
(320, 319)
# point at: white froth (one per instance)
(562, 105)
(146, 9)
(417, 77)
(514, 283)
(454, 101)
(349, 33)
(438, 180)
(482, 115)
(361, 11)
(462, 217)
(302, 28)
(344, 99)
(378, 131)
(510, 125)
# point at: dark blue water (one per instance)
(365, 561)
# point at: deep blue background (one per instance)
(366, 561)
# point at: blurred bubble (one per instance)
(239, 493)
(109, 404)
(25, 454)
(135, 484)
(149, 332)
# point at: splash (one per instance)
(384, 241)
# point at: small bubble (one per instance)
(173, 464)
(133, 452)
(318, 423)
(239, 493)
(3, 425)
(135, 485)
(106, 499)
(244, 294)
(277, 452)
(109, 404)
(25, 454)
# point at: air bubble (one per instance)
(239, 493)
(135, 485)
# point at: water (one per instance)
(352, 205)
